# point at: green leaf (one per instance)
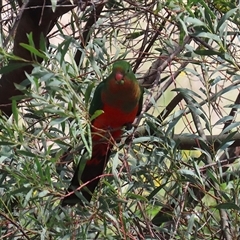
(227, 206)
(43, 193)
(26, 153)
(7, 143)
(33, 50)
(28, 196)
(206, 52)
(137, 197)
(15, 111)
(208, 35)
(231, 127)
(39, 169)
(195, 21)
(226, 17)
(190, 175)
(13, 66)
(88, 92)
(135, 35)
(96, 114)
(54, 5)
(223, 120)
(57, 121)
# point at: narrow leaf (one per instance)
(227, 206)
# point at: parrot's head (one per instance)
(121, 87)
(121, 69)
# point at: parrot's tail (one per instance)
(90, 175)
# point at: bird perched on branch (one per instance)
(120, 98)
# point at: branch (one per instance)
(94, 16)
(15, 224)
(35, 17)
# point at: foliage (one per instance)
(185, 54)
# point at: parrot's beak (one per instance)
(119, 77)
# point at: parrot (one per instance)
(120, 97)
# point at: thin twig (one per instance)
(15, 224)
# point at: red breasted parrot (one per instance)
(120, 98)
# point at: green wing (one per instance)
(96, 103)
